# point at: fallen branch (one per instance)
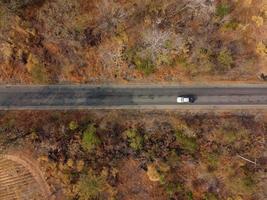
(254, 162)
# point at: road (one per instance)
(86, 96)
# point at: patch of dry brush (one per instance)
(119, 155)
(97, 41)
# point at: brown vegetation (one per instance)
(94, 41)
(144, 155)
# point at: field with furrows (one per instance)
(17, 183)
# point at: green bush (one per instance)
(73, 125)
(91, 186)
(210, 196)
(142, 62)
(242, 184)
(212, 159)
(225, 59)
(248, 182)
(189, 195)
(229, 136)
(39, 74)
(189, 144)
(172, 188)
(90, 140)
(232, 25)
(144, 65)
(223, 10)
(135, 139)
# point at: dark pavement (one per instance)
(71, 96)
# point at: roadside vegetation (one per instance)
(92, 41)
(119, 155)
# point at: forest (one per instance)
(121, 41)
(143, 155)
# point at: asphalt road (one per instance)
(86, 96)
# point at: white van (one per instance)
(185, 99)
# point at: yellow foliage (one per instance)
(62, 167)
(258, 20)
(43, 158)
(163, 166)
(153, 173)
(70, 163)
(32, 62)
(6, 51)
(37, 70)
(261, 48)
(246, 3)
(80, 165)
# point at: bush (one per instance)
(144, 65)
(189, 144)
(153, 173)
(248, 182)
(173, 188)
(232, 25)
(135, 139)
(73, 125)
(19, 4)
(91, 186)
(39, 74)
(37, 70)
(242, 184)
(210, 196)
(90, 140)
(223, 10)
(229, 137)
(225, 59)
(212, 159)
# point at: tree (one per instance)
(90, 140)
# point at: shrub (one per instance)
(210, 196)
(142, 62)
(80, 165)
(135, 139)
(2, 16)
(173, 159)
(259, 21)
(39, 74)
(261, 49)
(166, 59)
(90, 140)
(73, 125)
(189, 195)
(225, 59)
(144, 65)
(223, 10)
(91, 186)
(248, 182)
(18, 4)
(183, 61)
(37, 70)
(189, 144)
(172, 188)
(229, 136)
(244, 184)
(153, 173)
(212, 159)
(232, 25)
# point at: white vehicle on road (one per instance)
(185, 99)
